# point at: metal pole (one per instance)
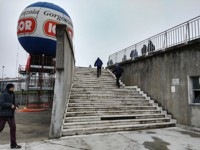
(27, 88)
(16, 65)
(41, 82)
(187, 32)
(165, 45)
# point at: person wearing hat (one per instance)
(7, 111)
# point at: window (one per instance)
(194, 89)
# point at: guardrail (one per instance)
(179, 34)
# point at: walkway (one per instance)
(156, 139)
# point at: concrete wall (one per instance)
(154, 74)
(65, 63)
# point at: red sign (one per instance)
(70, 32)
(50, 28)
(26, 25)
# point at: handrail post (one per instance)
(188, 31)
(165, 45)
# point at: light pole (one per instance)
(2, 78)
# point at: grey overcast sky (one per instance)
(101, 27)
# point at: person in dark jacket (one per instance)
(118, 73)
(7, 111)
(98, 63)
(151, 47)
(134, 54)
(144, 49)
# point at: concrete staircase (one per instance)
(96, 105)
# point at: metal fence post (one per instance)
(187, 31)
(165, 45)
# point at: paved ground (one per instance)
(156, 139)
(33, 128)
(30, 127)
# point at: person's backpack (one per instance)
(119, 71)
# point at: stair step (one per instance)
(122, 117)
(81, 131)
(113, 123)
(96, 87)
(82, 93)
(94, 80)
(93, 88)
(93, 77)
(100, 113)
(110, 101)
(84, 104)
(102, 90)
(93, 84)
(125, 108)
(105, 97)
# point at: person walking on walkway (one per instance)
(7, 111)
(98, 63)
(118, 73)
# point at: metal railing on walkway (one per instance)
(179, 34)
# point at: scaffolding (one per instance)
(39, 74)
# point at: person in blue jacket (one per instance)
(118, 73)
(98, 63)
(7, 111)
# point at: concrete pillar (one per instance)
(65, 63)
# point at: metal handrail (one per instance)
(179, 34)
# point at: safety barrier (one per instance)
(179, 34)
